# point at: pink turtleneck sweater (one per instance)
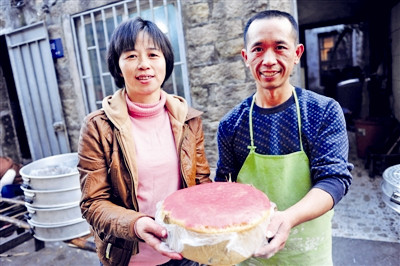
(157, 163)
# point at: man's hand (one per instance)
(277, 234)
(152, 233)
(314, 204)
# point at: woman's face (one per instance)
(143, 70)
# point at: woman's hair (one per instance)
(123, 39)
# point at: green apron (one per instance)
(286, 179)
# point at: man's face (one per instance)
(271, 52)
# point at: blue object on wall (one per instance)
(56, 48)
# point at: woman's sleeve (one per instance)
(202, 166)
(96, 205)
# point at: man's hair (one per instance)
(123, 39)
(271, 14)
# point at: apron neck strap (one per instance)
(296, 100)
(252, 147)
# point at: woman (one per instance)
(140, 147)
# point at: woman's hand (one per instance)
(277, 234)
(152, 233)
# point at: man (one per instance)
(290, 143)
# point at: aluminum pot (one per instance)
(61, 231)
(54, 172)
(51, 198)
(391, 187)
(56, 215)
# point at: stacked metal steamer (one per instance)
(52, 192)
(391, 187)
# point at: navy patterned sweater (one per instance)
(275, 130)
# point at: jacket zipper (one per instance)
(134, 201)
(184, 184)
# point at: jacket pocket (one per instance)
(114, 251)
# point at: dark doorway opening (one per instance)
(16, 116)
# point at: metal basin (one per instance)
(54, 172)
(52, 216)
(51, 198)
(60, 232)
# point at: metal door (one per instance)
(37, 89)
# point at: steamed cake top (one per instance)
(217, 207)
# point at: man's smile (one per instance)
(269, 74)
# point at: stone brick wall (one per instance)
(213, 36)
(55, 14)
(218, 76)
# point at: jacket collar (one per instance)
(177, 107)
(117, 111)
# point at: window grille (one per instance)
(92, 30)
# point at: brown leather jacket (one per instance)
(108, 171)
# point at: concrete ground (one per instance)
(346, 252)
(365, 231)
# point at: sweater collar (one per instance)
(146, 110)
(116, 108)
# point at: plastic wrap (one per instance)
(214, 248)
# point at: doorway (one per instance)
(14, 143)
